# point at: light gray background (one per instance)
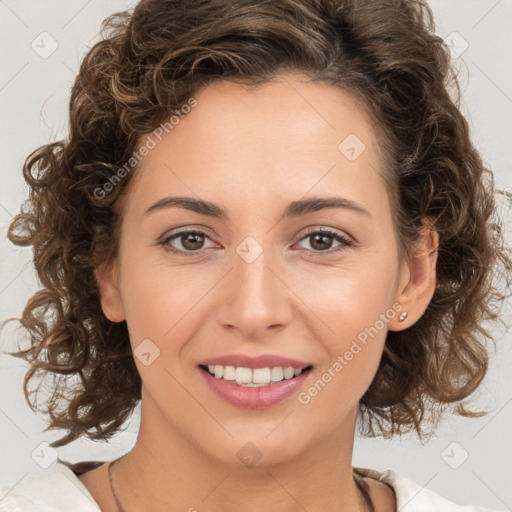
(34, 94)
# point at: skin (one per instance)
(252, 152)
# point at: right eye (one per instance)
(190, 242)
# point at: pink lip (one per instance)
(258, 397)
(262, 361)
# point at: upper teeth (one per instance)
(253, 377)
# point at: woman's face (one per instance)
(259, 280)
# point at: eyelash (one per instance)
(344, 241)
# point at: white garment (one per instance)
(60, 490)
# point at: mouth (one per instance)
(254, 377)
(257, 387)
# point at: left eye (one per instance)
(321, 240)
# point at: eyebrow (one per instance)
(294, 209)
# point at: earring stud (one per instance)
(403, 316)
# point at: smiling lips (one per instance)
(254, 382)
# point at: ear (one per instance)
(110, 295)
(417, 281)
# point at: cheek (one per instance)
(350, 297)
(163, 311)
(352, 333)
(162, 301)
(350, 309)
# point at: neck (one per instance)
(168, 471)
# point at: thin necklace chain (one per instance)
(110, 465)
(367, 499)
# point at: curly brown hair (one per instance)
(153, 58)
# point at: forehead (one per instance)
(288, 134)
(289, 110)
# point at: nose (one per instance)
(255, 298)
